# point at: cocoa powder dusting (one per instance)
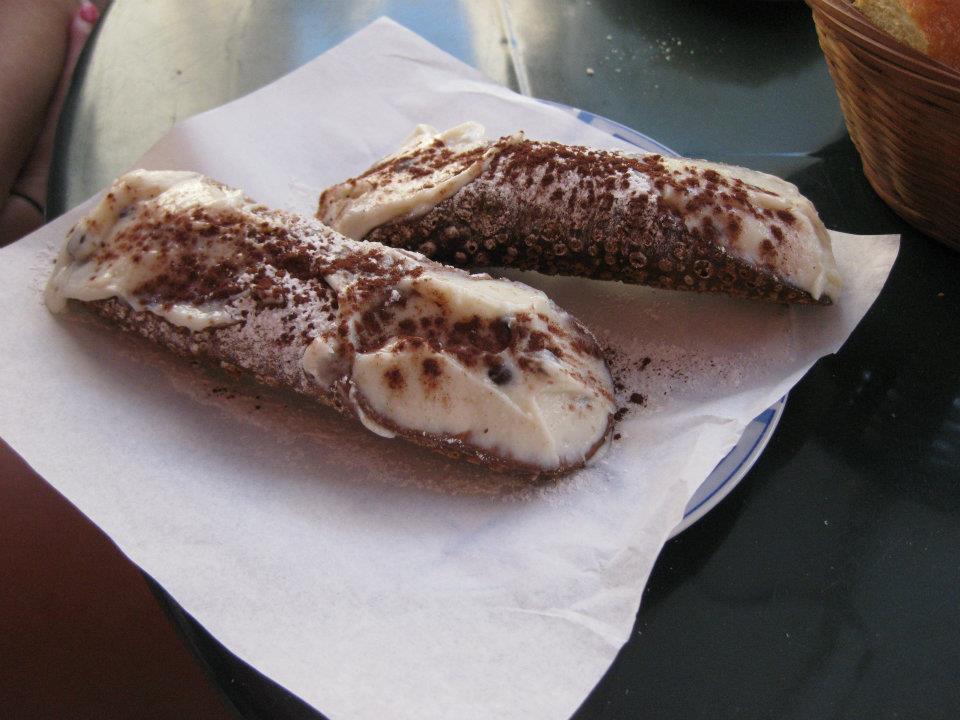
(394, 378)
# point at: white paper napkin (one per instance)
(369, 577)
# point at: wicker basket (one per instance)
(903, 113)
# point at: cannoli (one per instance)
(558, 209)
(489, 370)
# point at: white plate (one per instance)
(744, 454)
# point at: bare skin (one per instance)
(40, 41)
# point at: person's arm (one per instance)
(39, 46)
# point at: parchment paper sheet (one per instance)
(366, 576)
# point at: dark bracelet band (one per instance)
(26, 198)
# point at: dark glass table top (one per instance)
(826, 585)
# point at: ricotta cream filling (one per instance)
(89, 267)
(804, 254)
(523, 403)
(549, 420)
(401, 185)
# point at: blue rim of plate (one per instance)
(737, 463)
(734, 466)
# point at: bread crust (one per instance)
(929, 26)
